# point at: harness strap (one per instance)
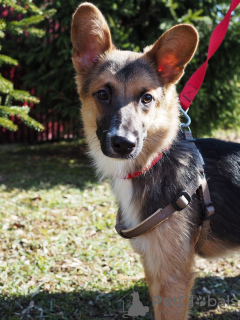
(181, 202)
(208, 211)
(204, 193)
(158, 217)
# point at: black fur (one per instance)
(223, 175)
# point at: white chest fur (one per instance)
(123, 191)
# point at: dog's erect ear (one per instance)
(90, 36)
(173, 50)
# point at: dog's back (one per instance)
(222, 168)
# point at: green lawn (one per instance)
(60, 257)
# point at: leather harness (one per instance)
(178, 204)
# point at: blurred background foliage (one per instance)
(47, 67)
(24, 14)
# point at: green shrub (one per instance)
(30, 15)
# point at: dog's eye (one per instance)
(147, 98)
(102, 95)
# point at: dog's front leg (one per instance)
(171, 299)
(170, 294)
(169, 275)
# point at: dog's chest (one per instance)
(123, 190)
(130, 210)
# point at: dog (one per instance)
(131, 122)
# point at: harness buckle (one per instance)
(182, 201)
(208, 211)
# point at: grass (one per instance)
(60, 257)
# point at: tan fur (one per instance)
(215, 247)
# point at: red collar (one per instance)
(138, 173)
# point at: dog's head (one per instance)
(129, 101)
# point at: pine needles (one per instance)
(30, 16)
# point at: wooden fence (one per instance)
(56, 129)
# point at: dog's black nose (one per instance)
(122, 145)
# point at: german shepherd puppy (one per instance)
(130, 115)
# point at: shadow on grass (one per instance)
(44, 166)
(84, 305)
(213, 294)
(96, 305)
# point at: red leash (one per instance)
(194, 83)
